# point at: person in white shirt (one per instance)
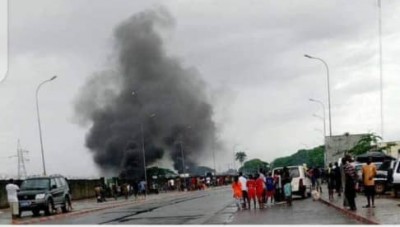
(12, 198)
(243, 182)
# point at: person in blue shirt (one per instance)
(270, 185)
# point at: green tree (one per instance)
(252, 166)
(312, 157)
(241, 157)
(367, 143)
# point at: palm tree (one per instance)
(240, 156)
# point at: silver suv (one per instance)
(45, 193)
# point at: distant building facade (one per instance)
(337, 146)
(393, 148)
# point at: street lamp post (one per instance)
(183, 159)
(144, 152)
(324, 120)
(215, 168)
(329, 92)
(143, 147)
(38, 118)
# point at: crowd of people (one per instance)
(262, 188)
(345, 179)
(137, 189)
(265, 189)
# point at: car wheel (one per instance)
(379, 188)
(49, 207)
(67, 205)
(36, 212)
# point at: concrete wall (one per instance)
(336, 146)
(80, 189)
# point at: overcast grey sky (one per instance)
(250, 53)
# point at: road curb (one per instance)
(348, 213)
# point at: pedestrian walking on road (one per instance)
(251, 188)
(270, 184)
(331, 181)
(338, 179)
(114, 191)
(237, 191)
(12, 198)
(260, 191)
(368, 174)
(263, 178)
(317, 176)
(125, 191)
(343, 180)
(99, 194)
(278, 186)
(142, 188)
(245, 196)
(287, 187)
(350, 182)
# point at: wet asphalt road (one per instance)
(210, 207)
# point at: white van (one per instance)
(301, 184)
(396, 178)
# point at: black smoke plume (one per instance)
(147, 91)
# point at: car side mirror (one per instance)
(53, 187)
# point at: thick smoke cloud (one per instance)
(150, 91)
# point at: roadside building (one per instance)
(337, 146)
(392, 148)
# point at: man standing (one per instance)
(12, 198)
(317, 177)
(338, 179)
(330, 181)
(287, 187)
(368, 174)
(243, 182)
(142, 188)
(350, 182)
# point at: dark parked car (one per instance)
(384, 177)
(44, 193)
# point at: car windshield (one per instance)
(35, 184)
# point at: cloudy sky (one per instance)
(250, 53)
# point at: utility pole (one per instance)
(380, 65)
(215, 168)
(21, 161)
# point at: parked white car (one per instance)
(396, 178)
(301, 184)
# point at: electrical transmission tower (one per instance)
(21, 161)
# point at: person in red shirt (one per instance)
(260, 191)
(237, 191)
(251, 188)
